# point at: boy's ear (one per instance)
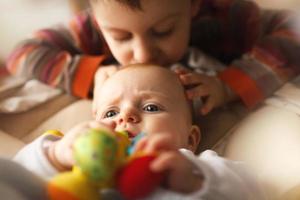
(196, 4)
(194, 138)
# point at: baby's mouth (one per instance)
(130, 134)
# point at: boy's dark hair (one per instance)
(133, 4)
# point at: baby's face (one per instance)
(158, 33)
(146, 99)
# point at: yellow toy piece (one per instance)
(73, 185)
(98, 155)
(54, 132)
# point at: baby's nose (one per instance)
(128, 117)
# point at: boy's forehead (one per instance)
(133, 4)
(153, 8)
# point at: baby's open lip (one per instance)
(130, 134)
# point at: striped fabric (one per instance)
(261, 49)
(62, 57)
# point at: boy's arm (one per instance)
(62, 57)
(273, 59)
(262, 48)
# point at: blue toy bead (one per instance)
(134, 141)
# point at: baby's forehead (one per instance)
(147, 75)
(150, 71)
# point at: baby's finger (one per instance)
(111, 125)
(76, 131)
(141, 145)
(159, 142)
(192, 78)
(164, 161)
(179, 69)
(207, 106)
(199, 91)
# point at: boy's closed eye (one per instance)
(165, 28)
(162, 33)
(120, 35)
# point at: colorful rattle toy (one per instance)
(102, 161)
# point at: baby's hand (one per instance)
(60, 153)
(181, 175)
(209, 88)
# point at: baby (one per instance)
(150, 99)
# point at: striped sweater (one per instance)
(261, 49)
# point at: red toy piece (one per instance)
(136, 180)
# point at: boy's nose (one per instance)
(144, 52)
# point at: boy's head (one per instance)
(133, 4)
(146, 31)
(150, 99)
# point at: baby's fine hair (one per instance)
(133, 4)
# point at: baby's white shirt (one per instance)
(223, 179)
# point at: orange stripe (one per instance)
(288, 34)
(57, 193)
(84, 74)
(242, 85)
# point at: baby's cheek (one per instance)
(161, 124)
(168, 127)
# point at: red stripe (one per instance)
(57, 68)
(3, 71)
(243, 86)
(14, 60)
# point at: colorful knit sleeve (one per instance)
(261, 48)
(272, 60)
(64, 56)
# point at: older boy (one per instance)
(256, 45)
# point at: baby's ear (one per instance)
(194, 138)
(94, 108)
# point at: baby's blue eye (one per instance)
(110, 113)
(151, 108)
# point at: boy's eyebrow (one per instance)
(172, 15)
(112, 29)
